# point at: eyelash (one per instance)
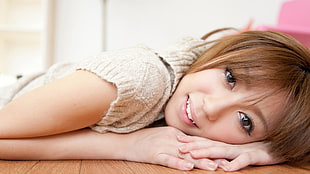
(230, 79)
(246, 122)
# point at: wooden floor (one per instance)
(124, 167)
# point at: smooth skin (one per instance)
(73, 102)
(223, 108)
(50, 131)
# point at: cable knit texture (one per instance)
(145, 79)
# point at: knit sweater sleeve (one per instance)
(143, 85)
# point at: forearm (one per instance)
(82, 144)
(153, 145)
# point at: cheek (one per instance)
(225, 130)
(204, 82)
(221, 130)
(172, 110)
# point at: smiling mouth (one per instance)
(188, 112)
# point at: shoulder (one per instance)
(138, 69)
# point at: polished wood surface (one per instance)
(125, 167)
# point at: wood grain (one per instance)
(126, 167)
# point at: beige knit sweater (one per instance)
(145, 80)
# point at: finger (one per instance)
(205, 164)
(188, 139)
(182, 155)
(187, 147)
(174, 162)
(190, 143)
(240, 162)
(224, 152)
(222, 163)
(245, 159)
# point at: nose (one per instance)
(218, 106)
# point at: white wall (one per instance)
(78, 29)
(161, 22)
(157, 23)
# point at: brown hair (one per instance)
(278, 60)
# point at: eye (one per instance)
(230, 79)
(246, 123)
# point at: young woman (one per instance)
(244, 97)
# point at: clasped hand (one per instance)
(170, 147)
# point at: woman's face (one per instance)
(211, 104)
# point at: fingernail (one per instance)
(189, 166)
(224, 165)
(211, 165)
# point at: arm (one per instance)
(240, 156)
(154, 145)
(80, 144)
(70, 103)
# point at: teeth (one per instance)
(188, 111)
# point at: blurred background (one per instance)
(37, 33)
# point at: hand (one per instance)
(160, 146)
(256, 153)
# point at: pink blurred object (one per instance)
(294, 19)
